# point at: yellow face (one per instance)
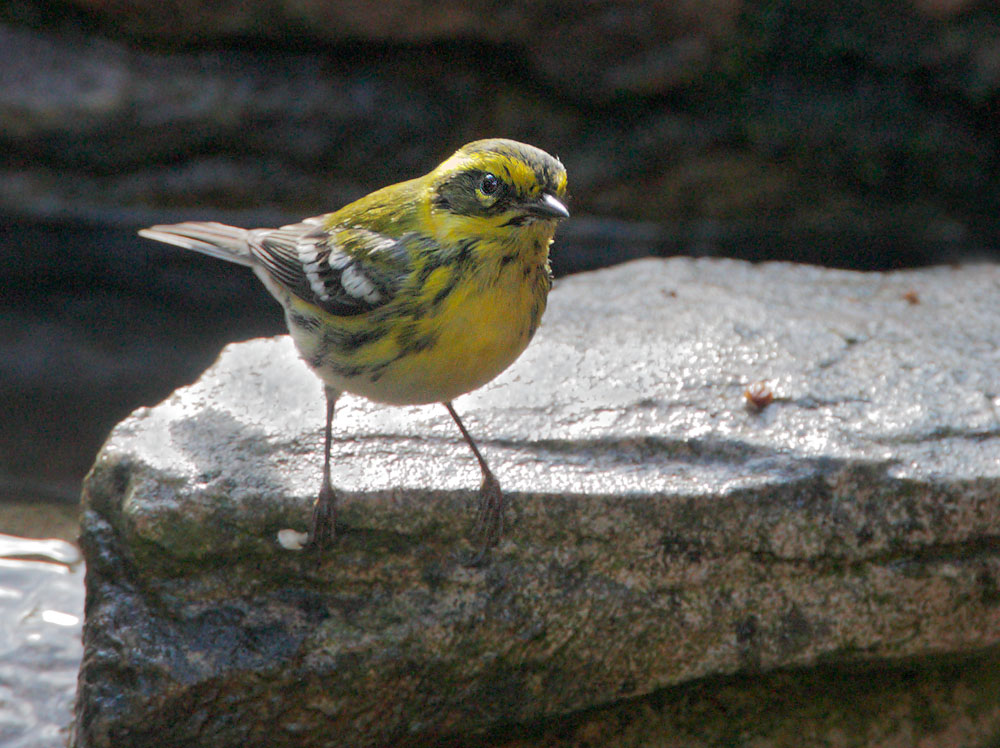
(491, 189)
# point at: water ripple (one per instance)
(41, 617)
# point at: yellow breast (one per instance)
(478, 332)
(481, 333)
(445, 333)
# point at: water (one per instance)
(41, 617)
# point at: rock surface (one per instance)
(862, 135)
(939, 704)
(725, 121)
(661, 529)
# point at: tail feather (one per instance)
(215, 239)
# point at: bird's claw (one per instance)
(489, 520)
(323, 527)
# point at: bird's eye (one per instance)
(489, 184)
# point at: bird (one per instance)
(416, 293)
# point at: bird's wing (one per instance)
(344, 271)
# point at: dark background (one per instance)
(854, 134)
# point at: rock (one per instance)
(799, 120)
(940, 704)
(660, 530)
(641, 48)
(118, 119)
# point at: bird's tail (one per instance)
(215, 239)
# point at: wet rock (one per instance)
(660, 529)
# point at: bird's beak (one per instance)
(547, 206)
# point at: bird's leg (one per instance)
(489, 521)
(323, 528)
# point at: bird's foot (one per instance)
(489, 519)
(323, 527)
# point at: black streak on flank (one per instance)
(316, 360)
(348, 342)
(355, 340)
(446, 290)
(410, 341)
(303, 322)
(424, 273)
(416, 310)
(464, 255)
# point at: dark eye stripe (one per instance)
(462, 192)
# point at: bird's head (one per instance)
(497, 188)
